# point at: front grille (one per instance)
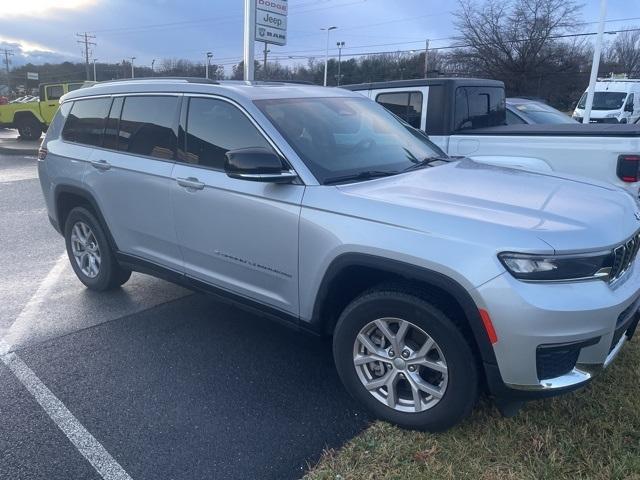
(623, 257)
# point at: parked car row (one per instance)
(437, 276)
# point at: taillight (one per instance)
(629, 168)
(42, 153)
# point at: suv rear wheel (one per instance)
(405, 360)
(90, 254)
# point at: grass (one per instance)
(591, 434)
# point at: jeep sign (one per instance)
(271, 21)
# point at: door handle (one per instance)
(101, 165)
(191, 183)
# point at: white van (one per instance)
(615, 101)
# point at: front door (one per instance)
(238, 235)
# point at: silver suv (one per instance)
(437, 277)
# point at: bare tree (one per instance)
(625, 51)
(515, 40)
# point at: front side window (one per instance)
(54, 92)
(406, 105)
(345, 136)
(147, 126)
(213, 128)
(85, 122)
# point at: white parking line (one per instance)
(32, 307)
(85, 443)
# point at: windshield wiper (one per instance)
(365, 175)
(426, 163)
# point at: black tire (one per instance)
(29, 128)
(461, 391)
(110, 275)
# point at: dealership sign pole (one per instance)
(264, 21)
(595, 64)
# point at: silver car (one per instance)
(437, 277)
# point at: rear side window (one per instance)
(55, 128)
(406, 105)
(85, 122)
(147, 126)
(213, 128)
(478, 107)
(54, 92)
(74, 86)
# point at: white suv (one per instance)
(436, 276)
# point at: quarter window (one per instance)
(147, 126)
(213, 128)
(54, 92)
(85, 122)
(406, 105)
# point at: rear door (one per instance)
(49, 104)
(130, 176)
(238, 235)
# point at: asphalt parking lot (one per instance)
(164, 382)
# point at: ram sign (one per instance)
(271, 21)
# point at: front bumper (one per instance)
(593, 318)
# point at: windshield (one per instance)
(542, 114)
(604, 100)
(342, 137)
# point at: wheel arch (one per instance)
(350, 274)
(67, 197)
(26, 114)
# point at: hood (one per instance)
(569, 214)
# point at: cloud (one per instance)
(41, 8)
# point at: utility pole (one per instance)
(595, 64)
(86, 40)
(326, 53)
(7, 54)
(426, 55)
(152, 63)
(264, 64)
(340, 46)
(207, 64)
(132, 72)
(95, 78)
(249, 39)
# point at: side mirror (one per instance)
(258, 165)
(628, 107)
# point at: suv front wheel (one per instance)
(405, 360)
(90, 254)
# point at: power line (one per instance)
(86, 40)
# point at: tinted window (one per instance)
(54, 92)
(213, 128)
(85, 122)
(604, 100)
(110, 139)
(147, 126)
(407, 105)
(55, 128)
(478, 107)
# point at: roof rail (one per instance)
(161, 79)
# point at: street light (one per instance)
(340, 46)
(132, 72)
(207, 63)
(326, 55)
(95, 79)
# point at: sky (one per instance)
(40, 31)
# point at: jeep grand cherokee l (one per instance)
(437, 277)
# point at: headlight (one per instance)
(557, 268)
